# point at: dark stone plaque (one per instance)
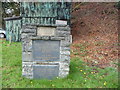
(46, 50)
(45, 71)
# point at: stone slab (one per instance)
(65, 52)
(62, 33)
(65, 48)
(27, 69)
(65, 43)
(27, 35)
(57, 38)
(29, 31)
(61, 22)
(66, 28)
(64, 57)
(27, 46)
(46, 50)
(46, 31)
(45, 71)
(26, 56)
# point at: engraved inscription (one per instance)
(46, 50)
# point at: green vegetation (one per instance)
(80, 49)
(118, 5)
(81, 76)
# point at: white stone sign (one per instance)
(61, 22)
(46, 31)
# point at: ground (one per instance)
(80, 76)
(94, 28)
(95, 38)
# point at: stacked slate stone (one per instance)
(37, 66)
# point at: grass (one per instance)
(80, 49)
(81, 76)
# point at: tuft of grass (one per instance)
(99, 43)
(81, 49)
(80, 76)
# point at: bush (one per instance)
(118, 5)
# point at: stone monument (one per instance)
(46, 50)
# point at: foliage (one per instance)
(14, 7)
(81, 76)
(118, 5)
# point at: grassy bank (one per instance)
(81, 76)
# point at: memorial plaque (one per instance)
(46, 50)
(46, 31)
(45, 71)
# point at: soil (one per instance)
(95, 33)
